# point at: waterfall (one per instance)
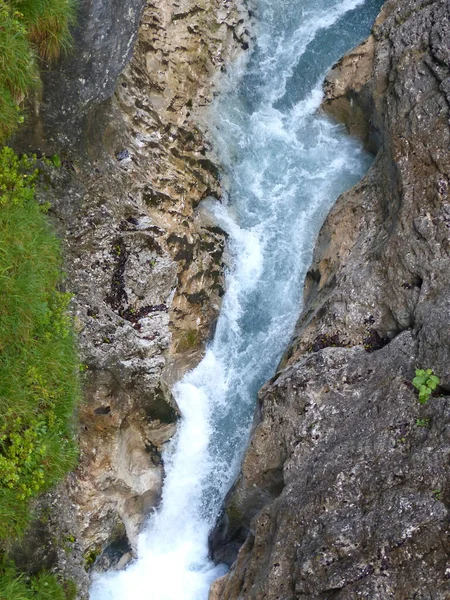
(284, 166)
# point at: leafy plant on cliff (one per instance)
(425, 382)
(38, 362)
(30, 29)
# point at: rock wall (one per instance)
(143, 263)
(344, 490)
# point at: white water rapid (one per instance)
(284, 167)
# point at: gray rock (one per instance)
(103, 44)
(363, 510)
(344, 490)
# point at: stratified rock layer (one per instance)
(345, 488)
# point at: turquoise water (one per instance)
(284, 166)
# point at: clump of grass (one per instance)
(48, 25)
(38, 363)
(18, 71)
(30, 29)
(44, 586)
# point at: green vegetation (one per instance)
(39, 369)
(437, 494)
(89, 558)
(16, 586)
(30, 29)
(56, 161)
(426, 382)
(38, 363)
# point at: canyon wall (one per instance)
(144, 265)
(345, 487)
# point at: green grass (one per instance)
(18, 71)
(30, 30)
(17, 586)
(48, 24)
(39, 385)
(38, 362)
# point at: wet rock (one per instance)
(343, 492)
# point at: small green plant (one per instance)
(89, 558)
(437, 494)
(423, 422)
(56, 161)
(425, 382)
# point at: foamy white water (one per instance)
(284, 168)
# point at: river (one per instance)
(284, 167)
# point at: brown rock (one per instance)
(217, 588)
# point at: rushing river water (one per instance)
(284, 167)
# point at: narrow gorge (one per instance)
(253, 206)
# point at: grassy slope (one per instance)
(16, 586)
(38, 379)
(38, 362)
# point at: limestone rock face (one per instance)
(143, 261)
(344, 491)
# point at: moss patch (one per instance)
(189, 340)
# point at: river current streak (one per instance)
(284, 167)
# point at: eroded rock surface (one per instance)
(344, 491)
(144, 264)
